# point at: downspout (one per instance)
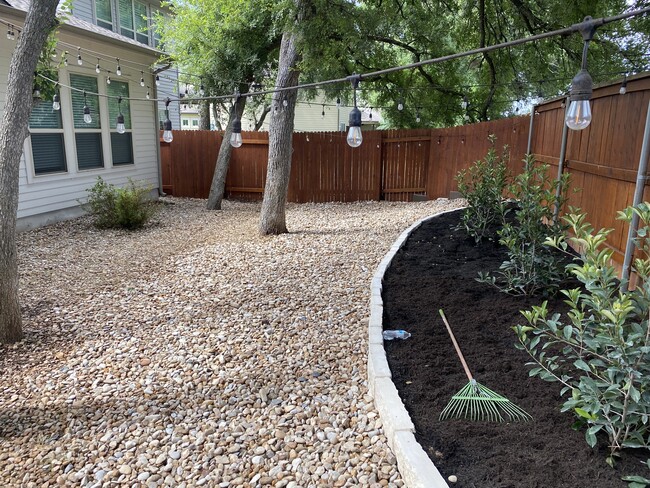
(638, 196)
(161, 193)
(560, 165)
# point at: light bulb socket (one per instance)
(86, 110)
(167, 125)
(581, 86)
(120, 118)
(355, 118)
(236, 125)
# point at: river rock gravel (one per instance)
(196, 353)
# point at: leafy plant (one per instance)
(129, 207)
(483, 185)
(601, 354)
(532, 267)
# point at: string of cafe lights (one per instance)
(119, 64)
(578, 115)
(104, 59)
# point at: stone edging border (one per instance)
(414, 465)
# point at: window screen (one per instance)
(103, 14)
(126, 18)
(48, 152)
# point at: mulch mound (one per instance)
(436, 268)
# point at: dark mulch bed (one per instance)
(436, 269)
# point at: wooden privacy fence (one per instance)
(602, 159)
(389, 165)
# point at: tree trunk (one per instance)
(204, 115)
(260, 122)
(273, 217)
(217, 115)
(218, 186)
(13, 131)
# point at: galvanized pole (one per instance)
(560, 165)
(530, 130)
(638, 196)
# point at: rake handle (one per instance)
(456, 346)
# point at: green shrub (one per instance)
(601, 355)
(532, 267)
(111, 207)
(482, 185)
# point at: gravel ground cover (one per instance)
(196, 353)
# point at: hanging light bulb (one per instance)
(187, 92)
(118, 71)
(54, 55)
(121, 129)
(370, 114)
(167, 126)
(157, 80)
(285, 102)
(400, 105)
(623, 88)
(56, 101)
(322, 114)
(465, 103)
(108, 78)
(355, 137)
(417, 115)
(80, 61)
(235, 137)
(141, 78)
(338, 102)
(578, 116)
(87, 117)
(9, 32)
(97, 68)
(148, 94)
(65, 58)
(202, 88)
(36, 94)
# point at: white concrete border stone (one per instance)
(414, 465)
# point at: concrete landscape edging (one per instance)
(414, 465)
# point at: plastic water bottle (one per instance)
(389, 335)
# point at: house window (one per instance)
(141, 22)
(88, 137)
(134, 21)
(195, 123)
(48, 150)
(186, 123)
(121, 144)
(103, 14)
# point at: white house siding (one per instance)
(50, 197)
(83, 9)
(169, 88)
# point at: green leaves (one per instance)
(605, 357)
(483, 185)
(533, 265)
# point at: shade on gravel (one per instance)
(196, 353)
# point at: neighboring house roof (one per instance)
(74, 22)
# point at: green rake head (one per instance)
(478, 403)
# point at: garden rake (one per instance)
(476, 402)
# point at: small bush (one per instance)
(482, 185)
(602, 355)
(532, 267)
(112, 207)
